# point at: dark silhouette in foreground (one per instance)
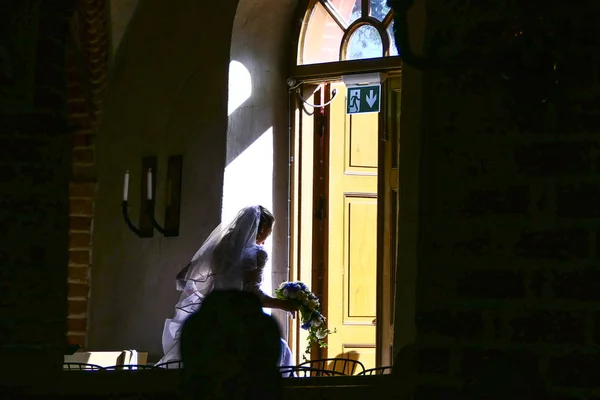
(230, 350)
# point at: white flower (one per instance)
(305, 301)
(312, 304)
(285, 293)
(316, 321)
(321, 333)
(301, 295)
(292, 295)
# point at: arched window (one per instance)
(339, 30)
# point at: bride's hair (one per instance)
(266, 219)
(229, 252)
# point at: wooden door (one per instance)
(351, 282)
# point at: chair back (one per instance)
(175, 364)
(376, 371)
(129, 367)
(304, 372)
(77, 366)
(345, 366)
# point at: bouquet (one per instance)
(311, 317)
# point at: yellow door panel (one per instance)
(352, 232)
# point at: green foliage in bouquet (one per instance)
(311, 316)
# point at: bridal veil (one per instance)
(218, 264)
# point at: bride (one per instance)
(231, 258)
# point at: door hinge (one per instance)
(320, 212)
(322, 124)
(384, 135)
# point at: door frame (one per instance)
(320, 231)
(388, 182)
(328, 73)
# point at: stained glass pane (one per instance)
(379, 9)
(393, 48)
(349, 10)
(322, 39)
(365, 42)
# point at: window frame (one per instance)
(365, 19)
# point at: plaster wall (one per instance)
(121, 12)
(168, 95)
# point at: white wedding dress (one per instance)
(211, 268)
(172, 332)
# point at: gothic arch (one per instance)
(341, 30)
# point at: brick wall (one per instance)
(87, 62)
(511, 211)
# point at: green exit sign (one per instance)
(363, 99)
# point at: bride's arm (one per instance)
(271, 302)
(252, 279)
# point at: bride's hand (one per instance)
(289, 306)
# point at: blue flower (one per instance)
(292, 287)
(306, 326)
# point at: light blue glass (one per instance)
(356, 11)
(365, 42)
(379, 9)
(393, 48)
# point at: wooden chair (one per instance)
(303, 372)
(345, 366)
(376, 371)
(75, 366)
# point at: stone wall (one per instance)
(35, 148)
(510, 228)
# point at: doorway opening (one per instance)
(344, 213)
(344, 179)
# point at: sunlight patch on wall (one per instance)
(249, 181)
(240, 86)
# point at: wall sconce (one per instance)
(147, 222)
